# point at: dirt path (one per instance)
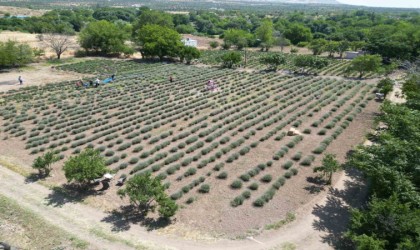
(316, 227)
(35, 74)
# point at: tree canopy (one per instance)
(155, 40)
(144, 191)
(104, 37)
(85, 167)
(273, 60)
(231, 59)
(13, 54)
(364, 64)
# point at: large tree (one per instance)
(265, 33)
(85, 167)
(318, 46)
(238, 38)
(188, 53)
(149, 17)
(145, 191)
(105, 37)
(364, 64)
(160, 41)
(297, 33)
(13, 54)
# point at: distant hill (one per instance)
(311, 1)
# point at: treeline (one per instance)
(392, 35)
(13, 54)
(391, 219)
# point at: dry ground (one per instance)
(36, 74)
(14, 11)
(33, 41)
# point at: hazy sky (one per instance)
(384, 3)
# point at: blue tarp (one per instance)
(108, 80)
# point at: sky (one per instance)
(384, 3)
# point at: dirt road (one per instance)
(317, 226)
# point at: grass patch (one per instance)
(289, 218)
(33, 230)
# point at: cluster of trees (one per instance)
(304, 62)
(391, 35)
(391, 219)
(144, 191)
(13, 54)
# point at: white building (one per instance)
(353, 54)
(189, 42)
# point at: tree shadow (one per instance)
(122, 219)
(33, 177)
(316, 184)
(333, 217)
(69, 193)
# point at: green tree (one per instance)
(386, 224)
(85, 167)
(265, 33)
(105, 37)
(308, 61)
(318, 46)
(160, 41)
(364, 64)
(329, 166)
(13, 54)
(297, 33)
(149, 17)
(332, 47)
(231, 59)
(144, 191)
(43, 163)
(273, 60)
(385, 86)
(239, 38)
(342, 47)
(188, 53)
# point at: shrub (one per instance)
(133, 160)
(190, 171)
(266, 178)
(205, 188)
(237, 201)
(258, 202)
(319, 149)
(279, 182)
(322, 132)
(307, 131)
(307, 161)
(294, 171)
(222, 175)
(237, 184)
(288, 174)
(287, 164)
(190, 200)
(297, 156)
(177, 195)
(291, 144)
(246, 194)
(245, 177)
(253, 186)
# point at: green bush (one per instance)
(297, 156)
(266, 178)
(246, 194)
(222, 175)
(245, 177)
(287, 164)
(239, 200)
(205, 188)
(236, 184)
(258, 202)
(253, 186)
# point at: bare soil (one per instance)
(34, 42)
(14, 11)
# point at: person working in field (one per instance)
(20, 79)
(171, 79)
